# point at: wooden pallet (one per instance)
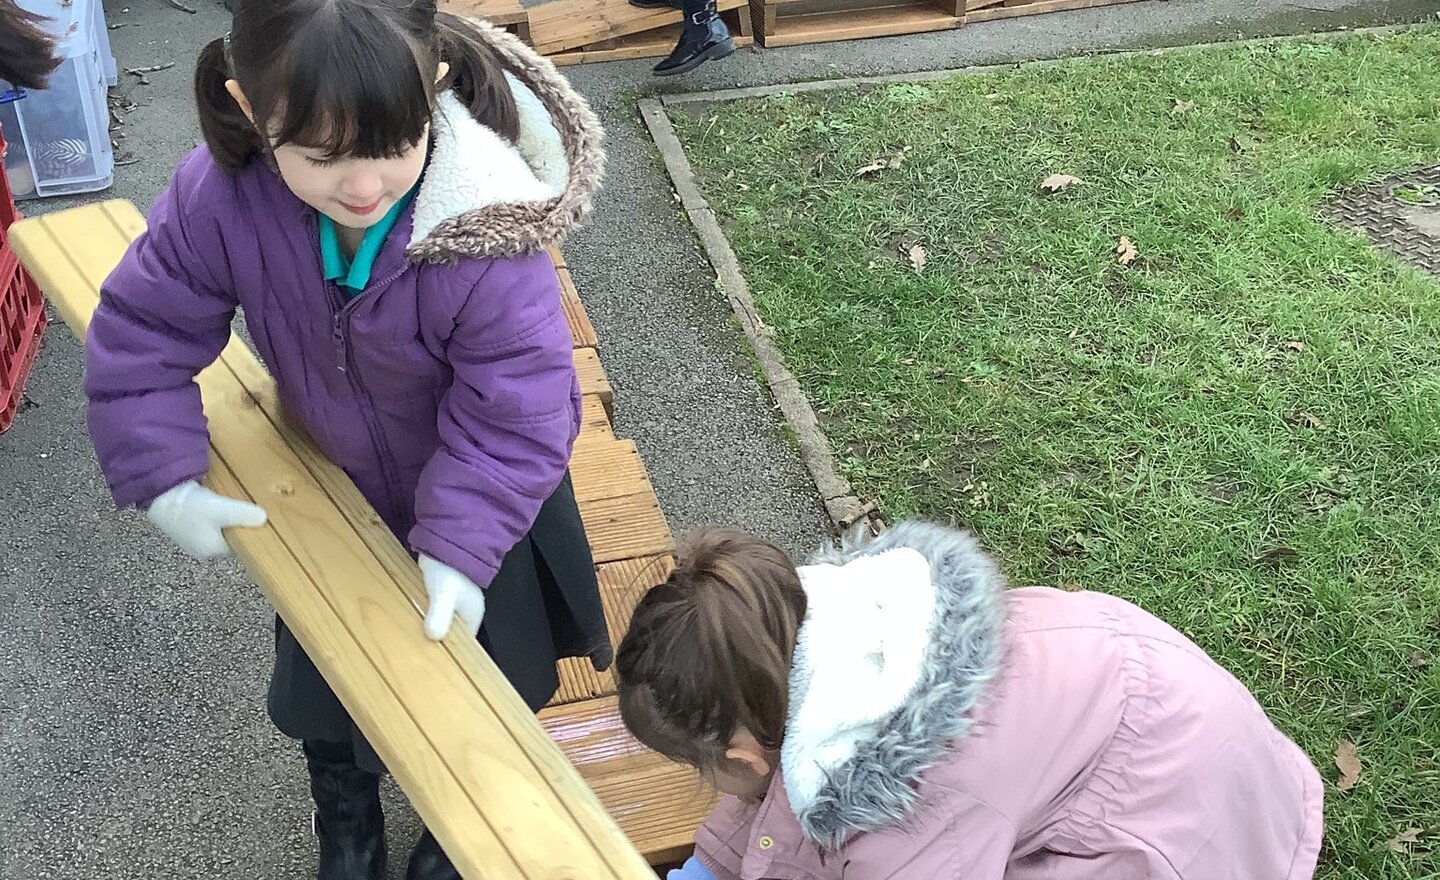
(990, 10)
(795, 22)
(562, 25)
(654, 44)
(503, 800)
(507, 14)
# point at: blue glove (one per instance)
(692, 870)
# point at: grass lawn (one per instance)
(1240, 430)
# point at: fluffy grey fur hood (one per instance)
(901, 637)
(485, 197)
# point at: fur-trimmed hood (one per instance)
(901, 636)
(485, 197)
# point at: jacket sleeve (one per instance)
(163, 317)
(966, 839)
(507, 424)
(720, 842)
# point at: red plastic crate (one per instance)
(22, 313)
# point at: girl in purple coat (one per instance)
(377, 189)
(891, 711)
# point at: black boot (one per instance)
(429, 862)
(704, 38)
(348, 820)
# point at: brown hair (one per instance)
(708, 652)
(350, 77)
(27, 51)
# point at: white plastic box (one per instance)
(60, 137)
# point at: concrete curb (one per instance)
(841, 503)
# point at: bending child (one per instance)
(892, 711)
(377, 188)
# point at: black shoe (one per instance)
(705, 38)
(348, 819)
(429, 862)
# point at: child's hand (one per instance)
(451, 594)
(194, 518)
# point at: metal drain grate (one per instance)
(1400, 214)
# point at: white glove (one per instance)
(452, 595)
(193, 517)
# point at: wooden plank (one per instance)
(651, 44)
(658, 803)
(622, 584)
(593, 380)
(581, 330)
(497, 12)
(610, 469)
(626, 527)
(568, 24)
(1039, 7)
(594, 421)
(824, 27)
(481, 772)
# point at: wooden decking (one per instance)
(657, 804)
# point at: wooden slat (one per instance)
(558, 25)
(621, 586)
(1040, 7)
(508, 14)
(481, 772)
(656, 802)
(652, 44)
(626, 527)
(593, 380)
(581, 330)
(594, 421)
(825, 27)
(608, 469)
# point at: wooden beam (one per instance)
(482, 773)
(1012, 9)
(558, 25)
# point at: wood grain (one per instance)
(558, 25)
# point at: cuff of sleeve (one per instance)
(424, 540)
(142, 491)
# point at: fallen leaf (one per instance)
(1400, 843)
(1234, 214)
(872, 168)
(1419, 660)
(917, 257)
(1293, 345)
(1182, 107)
(1059, 182)
(1277, 554)
(1347, 759)
(1305, 420)
(1125, 251)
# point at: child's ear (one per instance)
(746, 749)
(233, 87)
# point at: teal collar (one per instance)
(354, 274)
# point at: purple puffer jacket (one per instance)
(446, 391)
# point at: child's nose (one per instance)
(363, 186)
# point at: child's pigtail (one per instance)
(27, 52)
(232, 139)
(477, 76)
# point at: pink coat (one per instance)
(944, 729)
